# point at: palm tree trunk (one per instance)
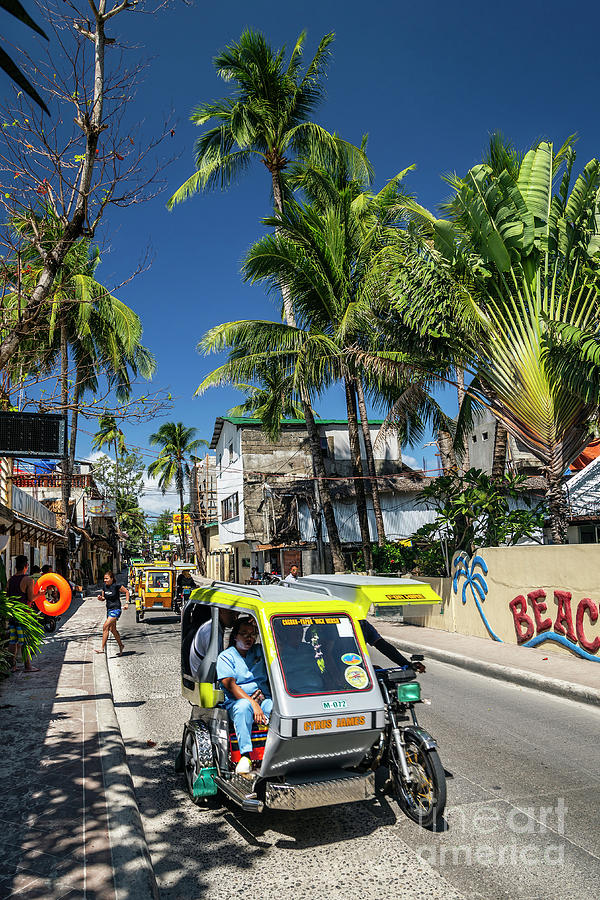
(359, 484)
(372, 484)
(500, 448)
(460, 391)
(288, 308)
(323, 487)
(182, 526)
(117, 498)
(447, 455)
(555, 496)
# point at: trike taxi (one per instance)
(156, 590)
(134, 575)
(335, 718)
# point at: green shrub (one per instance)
(29, 619)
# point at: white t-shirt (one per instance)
(200, 646)
(290, 579)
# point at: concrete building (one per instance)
(92, 532)
(481, 449)
(582, 491)
(266, 493)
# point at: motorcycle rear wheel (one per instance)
(424, 799)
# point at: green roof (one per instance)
(247, 420)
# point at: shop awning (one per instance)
(31, 523)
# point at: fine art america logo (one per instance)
(532, 626)
(489, 836)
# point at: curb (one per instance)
(133, 873)
(564, 689)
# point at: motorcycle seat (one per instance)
(399, 676)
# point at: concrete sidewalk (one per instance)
(533, 667)
(70, 823)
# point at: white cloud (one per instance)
(95, 456)
(153, 500)
(410, 461)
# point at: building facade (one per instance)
(265, 492)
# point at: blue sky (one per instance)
(428, 82)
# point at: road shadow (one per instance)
(51, 776)
(204, 831)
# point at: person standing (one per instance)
(112, 596)
(19, 587)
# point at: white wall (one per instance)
(230, 478)
(386, 449)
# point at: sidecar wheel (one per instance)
(197, 754)
(424, 799)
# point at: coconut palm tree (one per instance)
(339, 261)
(85, 329)
(271, 399)
(338, 253)
(177, 446)
(267, 118)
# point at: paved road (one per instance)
(523, 803)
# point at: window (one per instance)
(230, 452)
(219, 462)
(484, 436)
(474, 438)
(230, 507)
(325, 448)
(319, 655)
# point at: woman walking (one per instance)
(112, 595)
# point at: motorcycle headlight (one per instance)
(409, 692)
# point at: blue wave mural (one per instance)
(560, 639)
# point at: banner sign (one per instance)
(102, 508)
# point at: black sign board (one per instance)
(40, 435)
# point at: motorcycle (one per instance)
(182, 597)
(416, 775)
(339, 719)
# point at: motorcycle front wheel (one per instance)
(423, 799)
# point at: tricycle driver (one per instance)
(242, 672)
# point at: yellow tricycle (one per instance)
(156, 590)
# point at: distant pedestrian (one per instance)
(292, 577)
(20, 587)
(112, 595)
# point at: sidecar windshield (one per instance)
(319, 655)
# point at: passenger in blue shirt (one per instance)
(242, 671)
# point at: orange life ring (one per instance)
(51, 579)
